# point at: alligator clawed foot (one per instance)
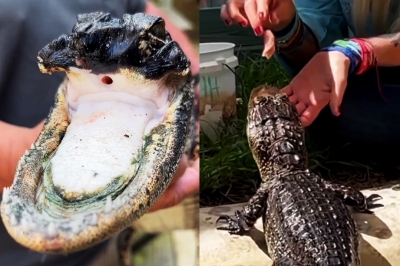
(370, 204)
(236, 225)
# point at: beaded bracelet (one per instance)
(359, 51)
(361, 55)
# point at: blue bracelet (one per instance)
(349, 49)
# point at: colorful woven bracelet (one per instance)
(368, 58)
(349, 49)
(359, 51)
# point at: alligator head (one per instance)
(113, 139)
(274, 132)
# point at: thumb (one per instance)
(309, 115)
(34, 132)
(337, 96)
(269, 44)
(38, 128)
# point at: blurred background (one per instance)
(185, 14)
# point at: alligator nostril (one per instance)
(107, 80)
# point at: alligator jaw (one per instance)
(162, 150)
(137, 56)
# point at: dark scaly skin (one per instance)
(305, 218)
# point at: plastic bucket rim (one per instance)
(228, 46)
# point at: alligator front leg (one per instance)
(245, 219)
(355, 198)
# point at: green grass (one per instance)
(228, 159)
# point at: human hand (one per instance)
(264, 17)
(19, 139)
(322, 80)
(186, 182)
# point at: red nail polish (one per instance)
(243, 24)
(258, 30)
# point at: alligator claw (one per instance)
(374, 197)
(232, 225)
(370, 203)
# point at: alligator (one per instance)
(122, 119)
(305, 218)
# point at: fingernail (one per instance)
(227, 22)
(258, 30)
(243, 24)
(261, 15)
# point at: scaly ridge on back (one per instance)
(305, 218)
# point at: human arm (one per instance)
(312, 92)
(321, 23)
(386, 49)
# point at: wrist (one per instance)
(359, 52)
(350, 50)
(286, 18)
(286, 28)
(291, 37)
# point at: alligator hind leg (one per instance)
(124, 244)
(355, 198)
(245, 219)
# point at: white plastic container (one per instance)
(217, 85)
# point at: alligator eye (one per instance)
(157, 35)
(158, 30)
(259, 99)
(107, 80)
(282, 96)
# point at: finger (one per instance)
(269, 44)
(185, 186)
(293, 99)
(225, 15)
(39, 127)
(250, 8)
(262, 9)
(288, 90)
(337, 96)
(309, 115)
(182, 166)
(235, 15)
(301, 107)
